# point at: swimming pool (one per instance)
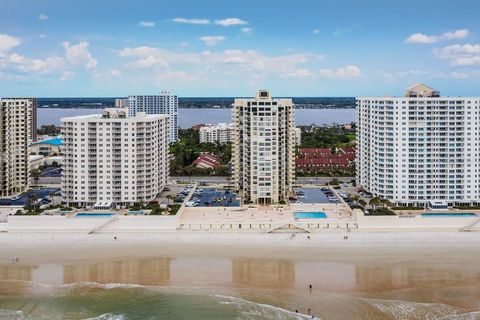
(309, 215)
(94, 215)
(449, 215)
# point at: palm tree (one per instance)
(376, 201)
(32, 201)
(362, 203)
(386, 203)
(35, 174)
(169, 197)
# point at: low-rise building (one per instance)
(47, 147)
(315, 160)
(221, 133)
(207, 161)
(36, 161)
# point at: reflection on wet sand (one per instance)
(265, 273)
(15, 272)
(387, 278)
(151, 271)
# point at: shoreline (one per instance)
(390, 269)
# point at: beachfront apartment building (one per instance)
(420, 149)
(221, 133)
(18, 118)
(263, 153)
(163, 103)
(114, 158)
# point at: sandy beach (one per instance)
(414, 275)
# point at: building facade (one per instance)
(263, 148)
(221, 133)
(163, 103)
(114, 158)
(47, 147)
(419, 149)
(18, 130)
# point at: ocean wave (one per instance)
(107, 316)
(399, 309)
(253, 311)
(475, 315)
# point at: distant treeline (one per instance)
(226, 102)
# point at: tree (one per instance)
(362, 203)
(35, 174)
(386, 203)
(334, 182)
(51, 195)
(376, 201)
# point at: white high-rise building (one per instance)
(298, 136)
(17, 131)
(113, 158)
(163, 103)
(221, 133)
(420, 149)
(263, 148)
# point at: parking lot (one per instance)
(51, 172)
(313, 195)
(23, 199)
(209, 197)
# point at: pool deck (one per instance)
(263, 217)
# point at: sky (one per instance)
(59, 48)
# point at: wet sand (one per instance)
(368, 275)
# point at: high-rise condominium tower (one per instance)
(263, 148)
(113, 158)
(18, 129)
(163, 103)
(420, 149)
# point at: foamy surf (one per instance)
(255, 311)
(475, 315)
(107, 316)
(406, 310)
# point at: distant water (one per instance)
(190, 117)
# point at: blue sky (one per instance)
(232, 48)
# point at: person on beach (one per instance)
(310, 288)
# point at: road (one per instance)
(300, 180)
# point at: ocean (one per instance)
(188, 117)
(206, 285)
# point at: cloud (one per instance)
(421, 38)
(460, 55)
(426, 39)
(35, 65)
(346, 72)
(147, 24)
(42, 17)
(114, 73)
(232, 63)
(212, 40)
(246, 30)
(230, 22)
(300, 73)
(67, 75)
(191, 21)
(7, 42)
(78, 54)
(316, 31)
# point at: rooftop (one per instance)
(53, 141)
